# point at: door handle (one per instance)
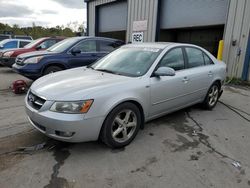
(210, 73)
(185, 79)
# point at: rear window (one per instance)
(195, 57)
(207, 60)
(106, 46)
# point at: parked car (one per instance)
(3, 36)
(22, 37)
(9, 56)
(69, 53)
(13, 43)
(112, 98)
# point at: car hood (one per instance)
(35, 53)
(75, 84)
(7, 50)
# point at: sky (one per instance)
(48, 13)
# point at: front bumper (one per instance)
(8, 61)
(52, 124)
(27, 72)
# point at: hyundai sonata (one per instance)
(114, 97)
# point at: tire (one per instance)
(121, 125)
(212, 97)
(51, 69)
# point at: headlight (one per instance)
(8, 54)
(33, 60)
(76, 107)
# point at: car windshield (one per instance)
(132, 62)
(33, 43)
(3, 42)
(63, 45)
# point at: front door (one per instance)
(87, 56)
(168, 92)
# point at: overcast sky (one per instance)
(43, 12)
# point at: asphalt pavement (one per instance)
(189, 148)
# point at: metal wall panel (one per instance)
(139, 10)
(237, 29)
(192, 13)
(92, 13)
(113, 17)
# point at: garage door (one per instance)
(113, 17)
(193, 13)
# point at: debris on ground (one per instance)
(31, 149)
(236, 164)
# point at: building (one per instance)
(200, 22)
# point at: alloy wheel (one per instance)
(213, 95)
(124, 126)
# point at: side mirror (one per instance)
(164, 71)
(39, 47)
(75, 51)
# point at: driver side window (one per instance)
(86, 46)
(173, 59)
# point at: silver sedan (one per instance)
(114, 97)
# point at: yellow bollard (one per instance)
(220, 50)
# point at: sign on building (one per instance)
(137, 37)
(140, 25)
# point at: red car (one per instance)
(9, 56)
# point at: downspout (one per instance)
(158, 22)
(87, 19)
(245, 72)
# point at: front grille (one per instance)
(19, 61)
(35, 101)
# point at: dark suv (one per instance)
(69, 53)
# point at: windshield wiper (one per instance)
(89, 67)
(105, 70)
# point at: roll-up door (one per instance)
(113, 17)
(192, 13)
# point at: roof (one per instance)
(160, 45)
(8, 40)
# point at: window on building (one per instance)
(173, 59)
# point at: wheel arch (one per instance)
(133, 101)
(218, 81)
(58, 64)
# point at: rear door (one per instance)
(88, 55)
(200, 73)
(104, 47)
